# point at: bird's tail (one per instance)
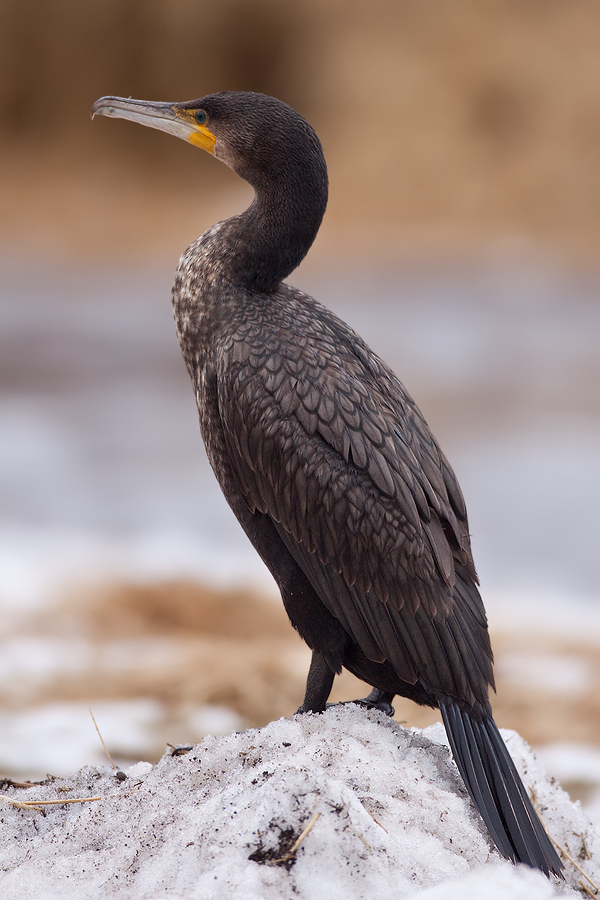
(496, 789)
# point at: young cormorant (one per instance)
(327, 462)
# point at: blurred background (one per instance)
(461, 239)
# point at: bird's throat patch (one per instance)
(203, 138)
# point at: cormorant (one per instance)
(326, 460)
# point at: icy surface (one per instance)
(220, 821)
(577, 764)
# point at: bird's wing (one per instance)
(326, 442)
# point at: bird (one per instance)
(326, 460)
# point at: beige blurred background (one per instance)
(459, 136)
(461, 127)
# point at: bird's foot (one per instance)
(377, 699)
(310, 709)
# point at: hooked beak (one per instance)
(169, 117)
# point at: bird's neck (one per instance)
(260, 247)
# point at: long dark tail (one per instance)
(496, 789)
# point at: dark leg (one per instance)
(318, 685)
(378, 700)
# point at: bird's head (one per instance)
(259, 137)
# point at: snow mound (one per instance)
(387, 811)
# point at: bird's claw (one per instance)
(383, 705)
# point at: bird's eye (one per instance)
(200, 117)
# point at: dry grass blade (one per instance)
(564, 853)
(61, 802)
(17, 803)
(102, 739)
(301, 837)
(291, 852)
(21, 784)
(375, 820)
(568, 856)
(585, 888)
(38, 804)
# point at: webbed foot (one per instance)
(377, 699)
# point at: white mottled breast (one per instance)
(198, 294)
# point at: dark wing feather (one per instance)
(327, 443)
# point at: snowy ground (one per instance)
(387, 811)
